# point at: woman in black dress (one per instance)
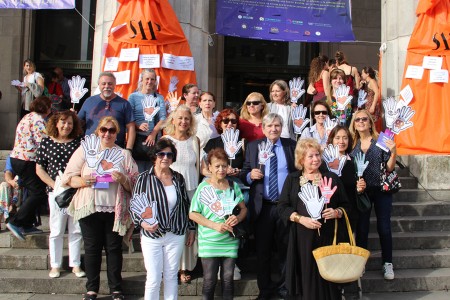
(308, 229)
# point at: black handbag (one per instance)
(63, 200)
(389, 181)
(363, 202)
(239, 230)
(140, 151)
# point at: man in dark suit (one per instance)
(266, 182)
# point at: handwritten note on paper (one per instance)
(414, 72)
(130, 54)
(432, 62)
(407, 94)
(111, 64)
(184, 63)
(440, 76)
(122, 77)
(149, 61)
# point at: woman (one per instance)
(104, 175)
(321, 111)
(180, 129)
(370, 86)
(216, 246)
(33, 85)
(162, 233)
(10, 192)
(351, 73)
(280, 104)
(252, 113)
(307, 233)
(365, 137)
(340, 136)
(29, 134)
(319, 78)
(52, 156)
(337, 77)
(206, 119)
(147, 130)
(190, 97)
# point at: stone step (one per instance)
(409, 182)
(412, 195)
(413, 240)
(415, 223)
(4, 154)
(415, 259)
(425, 208)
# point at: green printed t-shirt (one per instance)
(212, 243)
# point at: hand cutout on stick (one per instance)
(403, 119)
(265, 152)
(110, 161)
(335, 162)
(360, 163)
(140, 206)
(296, 91)
(230, 138)
(326, 190)
(209, 197)
(342, 97)
(310, 196)
(390, 111)
(173, 84)
(329, 124)
(299, 118)
(150, 107)
(77, 89)
(362, 98)
(91, 146)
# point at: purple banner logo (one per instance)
(38, 4)
(289, 20)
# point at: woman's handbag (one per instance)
(389, 181)
(344, 262)
(140, 150)
(239, 230)
(63, 199)
(363, 202)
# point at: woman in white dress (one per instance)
(280, 104)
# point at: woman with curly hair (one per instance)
(319, 78)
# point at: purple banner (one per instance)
(286, 20)
(38, 4)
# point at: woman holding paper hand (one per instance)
(280, 103)
(160, 208)
(253, 111)
(104, 175)
(52, 156)
(302, 207)
(212, 208)
(365, 138)
(321, 111)
(339, 98)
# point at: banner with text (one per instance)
(288, 20)
(38, 4)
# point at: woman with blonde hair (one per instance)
(319, 78)
(33, 85)
(253, 111)
(281, 105)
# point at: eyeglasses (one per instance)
(111, 130)
(228, 120)
(323, 112)
(253, 103)
(161, 155)
(363, 119)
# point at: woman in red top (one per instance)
(351, 73)
(252, 113)
(319, 78)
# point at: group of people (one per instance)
(187, 176)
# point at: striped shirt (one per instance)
(175, 220)
(212, 243)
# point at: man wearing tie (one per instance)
(266, 183)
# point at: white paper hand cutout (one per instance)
(310, 196)
(91, 146)
(150, 107)
(296, 91)
(16, 82)
(173, 84)
(326, 190)
(230, 139)
(265, 152)
(335, 162)
(360, 163)
(403, 120)
(110, 160)
(299, 118)
(209, 197)
(140, 205)
(173, 100)
(77, 89)
(330, 124)
(342, 97)
(362, 95)
(390, 111)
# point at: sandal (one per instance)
(89, 296)
(185, 277)
(117, 296)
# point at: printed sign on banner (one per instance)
(149, 61)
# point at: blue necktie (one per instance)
(273, 177)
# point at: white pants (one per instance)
(162, 255)
(58, 220)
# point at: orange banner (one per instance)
(431, 37)
(153, 27)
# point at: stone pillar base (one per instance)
(432, 171)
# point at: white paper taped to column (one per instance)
(440, 76)
(122, 77)
(151, 61)
(130, 54)
(183, 63)
(407, 94)
(111, 64)
(432, 62)
(414, 72)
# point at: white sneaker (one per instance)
(388, 271)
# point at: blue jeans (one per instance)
(382, 202)
(210, 268)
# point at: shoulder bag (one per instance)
(389, 181)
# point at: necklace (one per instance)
(315, 181)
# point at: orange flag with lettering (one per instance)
(151, 26)
(431, 102)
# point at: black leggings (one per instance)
(210, 269)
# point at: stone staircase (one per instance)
(421, 241)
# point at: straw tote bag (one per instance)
(344, 262)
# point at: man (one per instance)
(266, 183)
(107, 103)
(64, 82)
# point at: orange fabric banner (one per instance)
(431, 37)
(153, 27)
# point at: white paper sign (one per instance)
(432, 62)
(407, 94)
(439, 76)
(111, 64)
(122, 77)
(130, 54)
(414, 72)
(184, 63)
(151, 61)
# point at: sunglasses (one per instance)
(161, 155)
(228, 120)
(253, 103)
(323, 112)
(111, 130)
(363, 119)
